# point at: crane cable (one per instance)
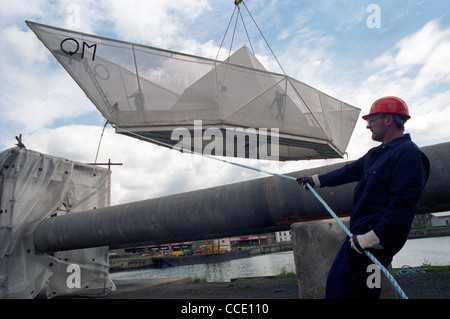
(239, 14)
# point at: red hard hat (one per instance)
(389, 104)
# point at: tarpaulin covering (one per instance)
(36, 186)
(152, 92)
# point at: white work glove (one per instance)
(311, 180)
(366, 241)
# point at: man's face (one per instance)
(377, 126)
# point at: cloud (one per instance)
(12, 11)
(158, 23)
(36, 92)
(417, 70)
(148, 170)
(308, 56)
(423, 53)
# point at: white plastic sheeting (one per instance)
(35, 186)
(152, 92)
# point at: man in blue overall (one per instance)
(391, 178)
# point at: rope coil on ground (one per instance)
(406, 269)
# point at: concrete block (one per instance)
(315, 245)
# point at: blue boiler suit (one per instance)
(391, 179)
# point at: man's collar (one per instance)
(406, 137)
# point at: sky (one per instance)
(356, 51)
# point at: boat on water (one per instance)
(198, 258)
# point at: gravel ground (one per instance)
(415, 286)
(425, 286)
(257, 298)
(270, 288)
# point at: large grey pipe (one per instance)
(257, 206)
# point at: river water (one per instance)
(416, 252)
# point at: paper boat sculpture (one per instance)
(228, 108)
